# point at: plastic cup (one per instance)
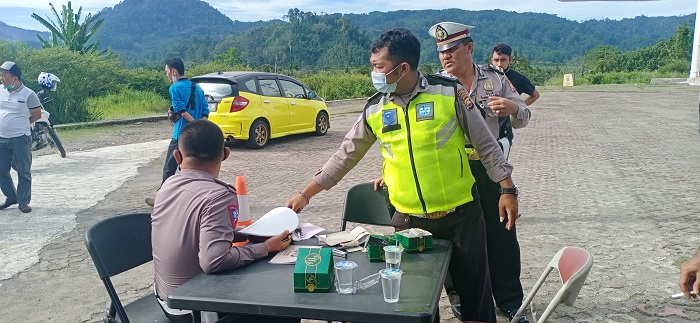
(391, 284)
(392, 256)
(345, 277)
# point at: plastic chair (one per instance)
(365, 205)
(116, 245)
(573, 264)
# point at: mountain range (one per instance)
(144, 32)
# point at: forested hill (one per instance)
(145, 31)
(27, 36)
(542, 38)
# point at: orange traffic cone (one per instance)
(244, 218)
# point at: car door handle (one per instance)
(293, 103)
(266, 101)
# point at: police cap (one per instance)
(449, 34)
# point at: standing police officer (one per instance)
(490, 91)
(421, 128)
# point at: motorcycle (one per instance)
(43, 133)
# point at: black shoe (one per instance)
(25, 208)
(454, 304)
(7, 204)
(457, 311)
(511, 314)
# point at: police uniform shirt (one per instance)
(15, 111)
(521, 83)
(192, 230)
(359, 140)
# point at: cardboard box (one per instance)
(313, 270)
(375, 246)
(415, 240)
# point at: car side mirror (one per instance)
(312, 95)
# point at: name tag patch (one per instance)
(390, 121)
(425, 111)
(389, 117)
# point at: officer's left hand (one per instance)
(502, 107)
(508, 206)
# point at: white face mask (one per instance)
(379, 81)
(173, 78)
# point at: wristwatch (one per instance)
(508, 190)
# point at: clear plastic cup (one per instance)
(345, 277)
(391, 284)
(392, 256)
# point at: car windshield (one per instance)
(217, 89)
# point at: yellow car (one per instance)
(257, 106)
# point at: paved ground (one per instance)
(612, 169)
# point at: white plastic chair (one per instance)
(573, 264)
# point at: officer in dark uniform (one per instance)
(487, 88)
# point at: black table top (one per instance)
(265, 289)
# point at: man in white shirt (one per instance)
(19, 108)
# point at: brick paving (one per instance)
(613, 169)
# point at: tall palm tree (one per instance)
(67, 31)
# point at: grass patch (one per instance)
(127, 104)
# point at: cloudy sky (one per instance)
(18, 13)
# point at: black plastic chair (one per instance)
(116, 245)
(365, 205)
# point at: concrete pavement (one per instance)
(613, 169)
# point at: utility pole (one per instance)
(694, 77)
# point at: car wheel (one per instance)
(259, 135)
(322, 123)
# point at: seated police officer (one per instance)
(191, 221)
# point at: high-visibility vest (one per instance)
(425, 165)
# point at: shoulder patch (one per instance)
(463, 96)
(512, 88)
(233, 213)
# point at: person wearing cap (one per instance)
(191, 224)
(19, 108)
(421, 129)
(501, 57)
(488, 90)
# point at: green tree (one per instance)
(228, 58)
(602, 59)
(67, 31)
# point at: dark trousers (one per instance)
(18, 149)
(502, 244)
(469, 266)
(170, 166)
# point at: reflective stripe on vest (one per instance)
(425, 166)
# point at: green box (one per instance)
(313, 270)
(415, 244)
(375, 246)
